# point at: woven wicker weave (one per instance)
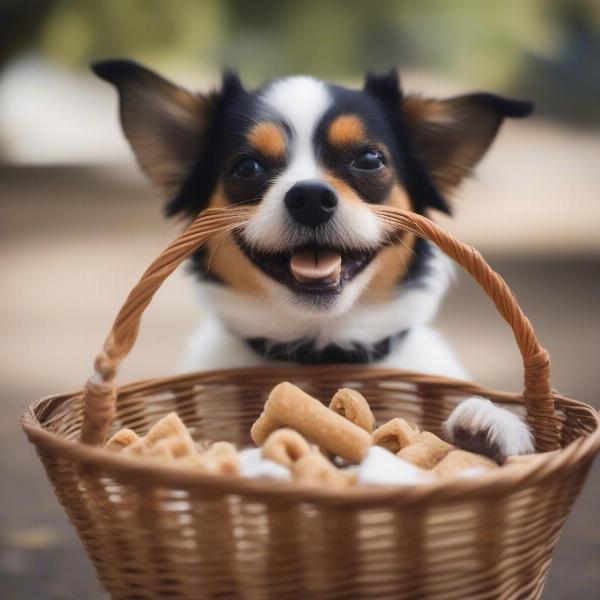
(156, 532)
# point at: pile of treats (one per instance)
(301, 439)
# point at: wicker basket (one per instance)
(157, 532)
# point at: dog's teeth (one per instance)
(309, 266)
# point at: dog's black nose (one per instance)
(311, 202)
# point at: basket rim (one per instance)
(508, 479)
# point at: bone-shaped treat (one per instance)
(169, 425)
(395, 435)
(289, 405)
(352, 405)
(285, 446)
(169, 448)
(314, 469)
(393, 454)
(263, 427)
(122, 439)
(427, 451)
(169, 440)
(457, 461)
(172, 448)
(223, 458)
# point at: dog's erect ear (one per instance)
(386, 88)
(449, 137)
(163, 123)
(167, 126)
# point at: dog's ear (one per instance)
(449, 137)
(167, 126)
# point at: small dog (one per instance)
(312, 278)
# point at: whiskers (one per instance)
(220, 238)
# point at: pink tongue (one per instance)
(316, 265)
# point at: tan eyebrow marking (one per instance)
(269, 139)
(346, 130)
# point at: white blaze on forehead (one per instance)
(301, 102)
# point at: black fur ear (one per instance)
(168, 127)
(441, 141)
(197, 188)
(385, 87)
(449, 137)
(231, 84)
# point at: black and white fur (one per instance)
(191, 145)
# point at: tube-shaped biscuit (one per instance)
(352, 405)
(122, 439)
(285, 446)
(315, 469)
(460, 460)
(288, 404)
(426, 452)
(395, 435)
(263, 427)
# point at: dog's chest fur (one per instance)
(232, 320)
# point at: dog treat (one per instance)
(289, 405)
(166, 449)
(168, 440)
(136, 449)
(122, 439)
(352, 405)
(285, 446)
(457, 461)
(263, 427)
(315, 469)
(381, 467)
(426, 452)
(173, 449)
(223, 457)
(169, 425)
(299, 438)
(395, 435)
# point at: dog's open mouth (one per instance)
(311, 268)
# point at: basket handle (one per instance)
(99, 395)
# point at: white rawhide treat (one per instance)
(254, 466)
(381, 467)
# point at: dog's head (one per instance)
(312, 157)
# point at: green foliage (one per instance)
(504, 44)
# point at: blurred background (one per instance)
(78, 223)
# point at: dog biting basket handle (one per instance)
(100, 396)
(153, 531)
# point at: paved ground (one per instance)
(72, 241)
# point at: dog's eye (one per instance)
(247, 168)
(370, 160)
